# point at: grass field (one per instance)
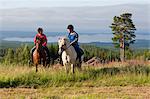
(127, 80)
(126, 92)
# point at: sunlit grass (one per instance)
(91, 82)
(23, 76)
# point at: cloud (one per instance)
(88, 19)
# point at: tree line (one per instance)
(21, 55)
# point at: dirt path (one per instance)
(77, 92)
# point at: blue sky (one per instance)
(58, 3)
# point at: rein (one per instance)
(67, 47)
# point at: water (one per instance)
(23, 36)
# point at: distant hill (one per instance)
(139, 44)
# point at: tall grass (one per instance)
(17, 76)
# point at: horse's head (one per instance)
(63, 44)
(38, 44)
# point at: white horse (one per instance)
(69, 55)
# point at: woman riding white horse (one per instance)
(72, 52)
(73, 38)
(69, 55)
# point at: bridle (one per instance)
(39, 45)
(62, 47)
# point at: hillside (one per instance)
(139, 44)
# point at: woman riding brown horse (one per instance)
(39, 54)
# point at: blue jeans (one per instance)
(79, 52)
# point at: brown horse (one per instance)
(39, 55)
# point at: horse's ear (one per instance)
(59, 38)
(65, 39)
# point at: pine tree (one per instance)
(26, 54)
(123, 30)
(18, 55)
(9, 57)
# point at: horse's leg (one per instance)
(72, 68)
(80, 63)
(79, 66)
(36, 67)
(44, 65)
(66, 68)
(40, 61)
(45, 58)
(45, 62)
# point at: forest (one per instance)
(21, 55)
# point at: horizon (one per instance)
(53, 36)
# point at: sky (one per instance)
(85, 19)
(64, 3)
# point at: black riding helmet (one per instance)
(40, 30)
(70, 27)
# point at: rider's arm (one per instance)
(45, 41)
(35, 39)
(75, 39)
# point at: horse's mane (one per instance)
(64, 37)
